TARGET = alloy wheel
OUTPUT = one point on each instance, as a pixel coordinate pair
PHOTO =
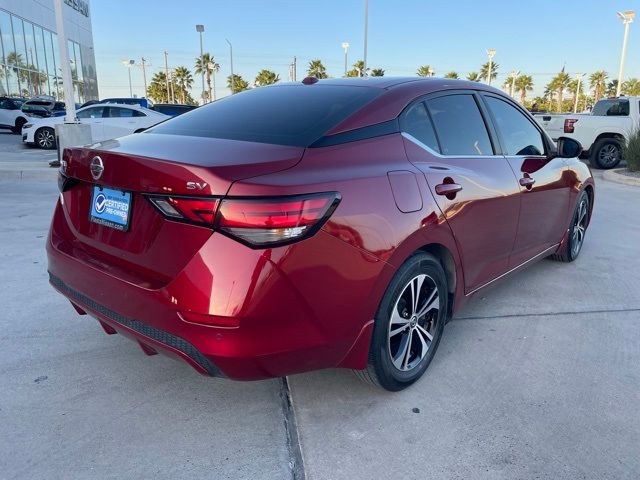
(45, 139)
(579, 226)
(609, 154)
(413, 322)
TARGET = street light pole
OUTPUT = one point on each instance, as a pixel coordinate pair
(200, 30)
(579, 79)
(144, 66)
(166, 73)
(345, 45)
(129, 64)
(514, 76)
(627, 18)
(231, 61)
(366, 31)
(491, 53)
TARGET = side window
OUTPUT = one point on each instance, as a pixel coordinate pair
(611, 108)
(138, 113)
(115, 112)
(459, 125)
(95, 112)
(416, 122)
(5, 103)
(519, 135)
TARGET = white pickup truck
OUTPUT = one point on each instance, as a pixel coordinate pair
(601, 132)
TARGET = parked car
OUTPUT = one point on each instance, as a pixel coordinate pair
(107, 121)
(11, 115)
(334, 223)
(172, 109)
(602, 132)
(43, 107)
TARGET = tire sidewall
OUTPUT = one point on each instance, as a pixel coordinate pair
(389, 376)
(570, 253)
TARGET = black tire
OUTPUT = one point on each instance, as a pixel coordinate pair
(577, 231)
(386, 350)
(45, 138)
(606, 153)
(20, 121)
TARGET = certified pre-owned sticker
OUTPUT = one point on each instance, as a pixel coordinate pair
(111, 207)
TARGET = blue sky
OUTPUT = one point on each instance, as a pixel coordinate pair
(536, 37)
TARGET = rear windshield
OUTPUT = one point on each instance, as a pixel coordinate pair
(294, 115)
(611, 108)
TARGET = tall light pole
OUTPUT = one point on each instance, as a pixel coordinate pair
(579, 81)
(366, 31)
(166, 73)
(491, 53)
(514, 76)
(129, 64)
(627, 18)
(345, 46)
(200, 30)
(231, 61)
(144, 64)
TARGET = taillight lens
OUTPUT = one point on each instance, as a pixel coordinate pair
(198, 210)
(257, 222)
(569, 125)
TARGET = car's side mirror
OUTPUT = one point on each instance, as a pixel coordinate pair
(568, 148)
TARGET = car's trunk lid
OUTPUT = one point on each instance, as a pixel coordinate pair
(153, 248)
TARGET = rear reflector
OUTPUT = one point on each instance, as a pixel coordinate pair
(257, 222)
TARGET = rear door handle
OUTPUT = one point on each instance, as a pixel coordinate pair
(527, 182)
(448, 188)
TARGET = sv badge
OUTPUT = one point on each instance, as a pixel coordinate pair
(196, 185)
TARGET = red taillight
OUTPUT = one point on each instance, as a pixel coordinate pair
(569, 125)
(190, 209)
(257, 222)
(275, 221)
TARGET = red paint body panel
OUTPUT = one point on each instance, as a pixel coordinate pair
(311, 304)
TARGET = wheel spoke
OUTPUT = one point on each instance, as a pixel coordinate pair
(432, 302)
(424, 331)
(396, 331)
(408, 351)
(398, 359)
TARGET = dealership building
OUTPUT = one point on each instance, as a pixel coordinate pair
(29, 53)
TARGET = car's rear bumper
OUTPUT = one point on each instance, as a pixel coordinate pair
(273, 313)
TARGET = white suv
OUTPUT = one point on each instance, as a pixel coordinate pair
(11, 115)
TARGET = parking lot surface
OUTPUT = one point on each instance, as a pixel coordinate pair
(537, 378)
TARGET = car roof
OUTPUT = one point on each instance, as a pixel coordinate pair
(398, 93)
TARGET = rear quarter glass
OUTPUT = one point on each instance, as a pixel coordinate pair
(295, 115)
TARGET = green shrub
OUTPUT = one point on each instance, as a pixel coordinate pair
(631, 150)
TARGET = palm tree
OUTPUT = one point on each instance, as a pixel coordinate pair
(474, 77)
(453, 75)
(358, 70)
(316, 69)
(184, 81)
(266, 77)
(425, 71)
(558, 85)
(631, 87)
(484, 71)
(612, 88)
(524, 84)
(598, 81)
(207, 65)
(239, 83)
(377, 72)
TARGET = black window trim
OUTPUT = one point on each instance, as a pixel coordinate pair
(370, 131)
(548, 145)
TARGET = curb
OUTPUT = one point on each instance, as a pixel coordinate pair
(49, 174)
(615, 176)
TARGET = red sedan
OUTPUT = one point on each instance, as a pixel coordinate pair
(295, 227)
